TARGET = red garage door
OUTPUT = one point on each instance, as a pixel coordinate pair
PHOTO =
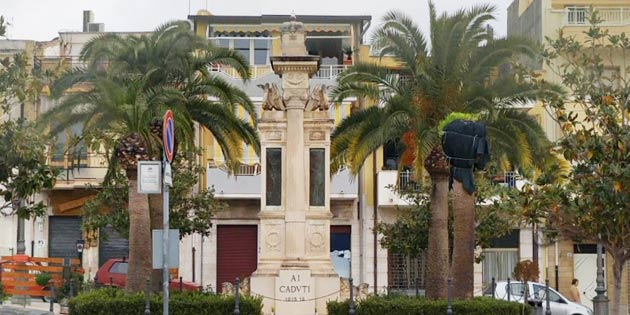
(237, 252)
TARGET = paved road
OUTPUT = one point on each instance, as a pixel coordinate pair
(17, 310)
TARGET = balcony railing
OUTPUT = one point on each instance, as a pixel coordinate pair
(578, 16)
(325, 71)
(330, 72)
(84, 168)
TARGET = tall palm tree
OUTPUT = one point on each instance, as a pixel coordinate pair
(169, 66)
(457, 72)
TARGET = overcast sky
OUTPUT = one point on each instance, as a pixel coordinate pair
(42, 19)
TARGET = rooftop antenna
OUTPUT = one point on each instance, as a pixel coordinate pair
(293, 17)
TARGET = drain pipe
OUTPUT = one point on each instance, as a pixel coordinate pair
(375, 218)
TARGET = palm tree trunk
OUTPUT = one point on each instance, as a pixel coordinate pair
(139, 233)
(463, 242)
(157, 223)
(438, 259)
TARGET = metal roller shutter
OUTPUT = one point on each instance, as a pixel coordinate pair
(237, 252)
(63, 234)
(111, 245)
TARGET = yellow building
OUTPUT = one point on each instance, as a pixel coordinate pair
(231, 249)
(538, 20)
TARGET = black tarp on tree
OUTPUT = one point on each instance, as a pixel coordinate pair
(464, 143)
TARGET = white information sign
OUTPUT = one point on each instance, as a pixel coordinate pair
(149, 177)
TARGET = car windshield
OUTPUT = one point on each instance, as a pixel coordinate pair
(517, 289)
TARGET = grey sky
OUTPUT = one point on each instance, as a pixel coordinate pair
(42, 19)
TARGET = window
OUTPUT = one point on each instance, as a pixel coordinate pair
(406, 273)
(242, 46)
(517, 289)
(498, 264)
(317, 178)
(541, 294)
(261, 51)
(225, 43)
(340, 249)
(274, 177)
(119, 267)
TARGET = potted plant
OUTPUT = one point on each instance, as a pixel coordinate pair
(347, 52)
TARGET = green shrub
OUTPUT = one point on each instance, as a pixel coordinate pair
(422, 306)
(42, 279)
(107, 301)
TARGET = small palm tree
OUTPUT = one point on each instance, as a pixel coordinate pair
(458, 72)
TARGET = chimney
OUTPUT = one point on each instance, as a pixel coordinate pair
(88, 17)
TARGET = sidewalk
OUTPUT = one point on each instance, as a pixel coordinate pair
(37, 307)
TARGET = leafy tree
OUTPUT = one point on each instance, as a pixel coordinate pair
(593, 204)
(128, 81)
(23, 169)
(457, 72)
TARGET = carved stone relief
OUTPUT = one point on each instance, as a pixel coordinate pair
(272, 99)
(318, 99)
(273, 239)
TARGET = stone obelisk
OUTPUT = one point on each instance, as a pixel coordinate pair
(295, 275)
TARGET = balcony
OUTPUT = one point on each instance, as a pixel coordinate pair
(390, 182)
(247, 182)
(329, 72)
(578, 16)
(79, 171)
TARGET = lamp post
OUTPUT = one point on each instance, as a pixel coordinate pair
(600, 302)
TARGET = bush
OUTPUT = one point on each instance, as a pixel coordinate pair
(422, 306)
(42, 279)
(108, 301)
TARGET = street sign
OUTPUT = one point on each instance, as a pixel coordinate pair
(168, 135)
(158, 251)
(149, 177)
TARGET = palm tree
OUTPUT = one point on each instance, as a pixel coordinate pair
(457, 72)
(170, 66)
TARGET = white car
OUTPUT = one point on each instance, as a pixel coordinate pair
(558, 303)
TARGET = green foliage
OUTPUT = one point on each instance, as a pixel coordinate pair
(108, 301)
(497, 213)
(457, 116)
(401, 305)
(23, 169)
(593, 203)
(42, 279)
(189, 212)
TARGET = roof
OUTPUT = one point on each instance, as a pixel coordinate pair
(264, 19)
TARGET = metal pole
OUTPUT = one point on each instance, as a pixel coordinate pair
(71, 287)
(449, 308)
(201, 262)
(181, 284)
(600, 302)
(417, 286)
(147, 302)
(52, 295)
(548, 307)
(165, 230)
(557, 278)
(351, 310)
(193, 263)
(494, 288)
(237, 311)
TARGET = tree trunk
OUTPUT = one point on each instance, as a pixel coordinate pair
(463, 242)
(616, 298)
(438, 259)
(157, 223)
(139, 233)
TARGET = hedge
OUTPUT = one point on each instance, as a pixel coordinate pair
(112, 301)
(420, 306)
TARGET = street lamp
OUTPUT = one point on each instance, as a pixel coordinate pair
(600, 302)
(80, 247)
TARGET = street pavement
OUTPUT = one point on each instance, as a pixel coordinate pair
(37, 307)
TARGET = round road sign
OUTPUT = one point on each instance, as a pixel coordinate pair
(168, 135)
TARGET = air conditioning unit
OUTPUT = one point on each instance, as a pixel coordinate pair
(96, 27)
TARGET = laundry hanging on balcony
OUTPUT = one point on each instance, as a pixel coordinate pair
(465, 145)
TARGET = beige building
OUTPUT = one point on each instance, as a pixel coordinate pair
(538, 20)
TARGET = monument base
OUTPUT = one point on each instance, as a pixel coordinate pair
(293, 291)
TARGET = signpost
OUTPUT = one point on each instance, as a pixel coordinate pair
(168, 138)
